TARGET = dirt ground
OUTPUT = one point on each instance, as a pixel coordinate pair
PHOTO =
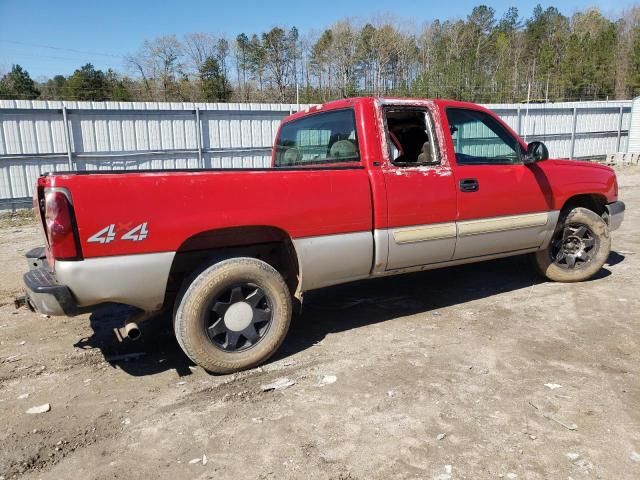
(481, 371)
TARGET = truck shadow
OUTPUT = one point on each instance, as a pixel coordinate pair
(326, 311)
(346, 307)
(156, 351)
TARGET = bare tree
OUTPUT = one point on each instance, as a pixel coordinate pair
(198, 47)
(321, 60)
(627, 30)
(160, 59)
(278, 53)
(241, 57)
(345, 50)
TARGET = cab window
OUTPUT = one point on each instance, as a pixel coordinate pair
(479, 139)
(410, 137)
(322, 138)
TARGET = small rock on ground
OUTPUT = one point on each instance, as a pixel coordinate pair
(328, 379)
(279, 384)
(552, 386)
(39, 409)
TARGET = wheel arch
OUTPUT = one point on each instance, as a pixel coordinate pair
(596, 202)
(268, 243)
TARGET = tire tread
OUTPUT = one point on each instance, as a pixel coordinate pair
(542, 260)
(195, 291)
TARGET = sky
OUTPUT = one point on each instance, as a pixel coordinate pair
(49, 37)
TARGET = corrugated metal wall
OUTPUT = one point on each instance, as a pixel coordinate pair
(38, 136)
(571, 129)
(634, 128)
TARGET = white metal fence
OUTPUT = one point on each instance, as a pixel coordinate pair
(39, 136)
(633, 145)
(571, 129)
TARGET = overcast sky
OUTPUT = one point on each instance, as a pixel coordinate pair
(48, 37)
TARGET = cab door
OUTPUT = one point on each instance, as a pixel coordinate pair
(503, 205)
(421, 196)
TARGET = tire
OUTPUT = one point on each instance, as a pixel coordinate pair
(581, 234)
(233, 315)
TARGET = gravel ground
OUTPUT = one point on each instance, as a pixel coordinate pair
(480, 371)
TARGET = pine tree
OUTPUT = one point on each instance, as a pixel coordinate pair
(87, 83)
(17, 84)
(214, 85)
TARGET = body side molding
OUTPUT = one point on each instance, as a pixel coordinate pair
(502, 224)
(438, 231)
(489, 236)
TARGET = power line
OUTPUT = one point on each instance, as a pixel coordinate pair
(53, 57)
(84, 52)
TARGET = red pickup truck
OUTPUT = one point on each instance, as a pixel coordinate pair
(359, 188)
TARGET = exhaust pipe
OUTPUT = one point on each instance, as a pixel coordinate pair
(132, 331)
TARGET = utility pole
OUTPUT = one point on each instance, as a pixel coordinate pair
(546, 91)
(526, 116)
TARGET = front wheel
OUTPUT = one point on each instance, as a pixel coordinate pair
(578, 249)
(234, 315)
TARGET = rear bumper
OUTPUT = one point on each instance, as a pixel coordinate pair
(615, 215)
(79, 286)
(45, 295)
(43, 292)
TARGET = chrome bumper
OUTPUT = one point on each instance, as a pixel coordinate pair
(615, 215)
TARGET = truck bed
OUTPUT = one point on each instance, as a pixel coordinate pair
(176, 205)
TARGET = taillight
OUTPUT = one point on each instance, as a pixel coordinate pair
(58, 214)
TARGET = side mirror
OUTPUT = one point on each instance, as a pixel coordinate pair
(536, 152)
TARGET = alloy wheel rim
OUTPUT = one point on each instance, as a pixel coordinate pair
(238, 318)
(574, 246)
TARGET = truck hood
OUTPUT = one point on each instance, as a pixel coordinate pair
(579, 163)
(568, 178)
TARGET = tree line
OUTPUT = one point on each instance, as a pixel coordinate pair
(544, 57)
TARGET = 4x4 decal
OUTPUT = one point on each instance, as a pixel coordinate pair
(137, 234)
(108, 234)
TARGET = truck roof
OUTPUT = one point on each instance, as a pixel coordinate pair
(354, 101)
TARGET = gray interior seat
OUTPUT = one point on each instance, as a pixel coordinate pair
(292, 156)
(343, 149)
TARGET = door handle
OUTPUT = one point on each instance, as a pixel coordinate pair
(469, 185)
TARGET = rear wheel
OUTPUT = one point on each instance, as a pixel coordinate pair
(578, 249)
(234, 315)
